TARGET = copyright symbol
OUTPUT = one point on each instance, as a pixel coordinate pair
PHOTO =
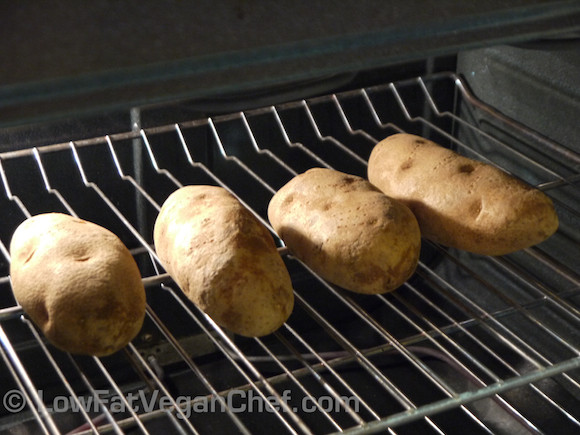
(14, 401)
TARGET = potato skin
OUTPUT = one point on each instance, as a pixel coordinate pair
(460, 202)
(224, 260)
(346, 230)
(78, 283)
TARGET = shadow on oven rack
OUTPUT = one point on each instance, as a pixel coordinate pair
(470, 344)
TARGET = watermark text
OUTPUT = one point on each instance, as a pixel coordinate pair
(142, 401)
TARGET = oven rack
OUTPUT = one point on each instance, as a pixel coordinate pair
(467, 337)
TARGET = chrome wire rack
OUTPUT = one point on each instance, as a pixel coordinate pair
(470, 344)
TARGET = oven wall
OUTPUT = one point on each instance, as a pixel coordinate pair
(528, 81)
(64, 58)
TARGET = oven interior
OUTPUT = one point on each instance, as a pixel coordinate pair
(470, 344)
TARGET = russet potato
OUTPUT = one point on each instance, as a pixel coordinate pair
(460, 202)
(78, 283)
(224, 260)
(346, 230)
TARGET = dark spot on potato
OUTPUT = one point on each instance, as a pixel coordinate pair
(370, 274)
(288, 200)
(349, 180)
(105, 310)
(420, 141)
(407, 164)
(30, 255)
(405, 266)
(85, 258)
(282, 299)
(475, 208)
(466, 169)
(327, 206)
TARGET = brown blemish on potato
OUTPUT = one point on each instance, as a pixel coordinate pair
(475, 208)
(407, 164)
(288, 200)
(233, 319)
(420, 141)
(30, 254)
(280, 297)
(106, 309)
(407, 262)
(466, 168)
(370, 275)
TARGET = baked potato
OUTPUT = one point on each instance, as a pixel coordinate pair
(78, 283)
(460, 202)
(346, 230)
(224, 260)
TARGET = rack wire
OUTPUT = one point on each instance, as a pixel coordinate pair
(469, 344)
